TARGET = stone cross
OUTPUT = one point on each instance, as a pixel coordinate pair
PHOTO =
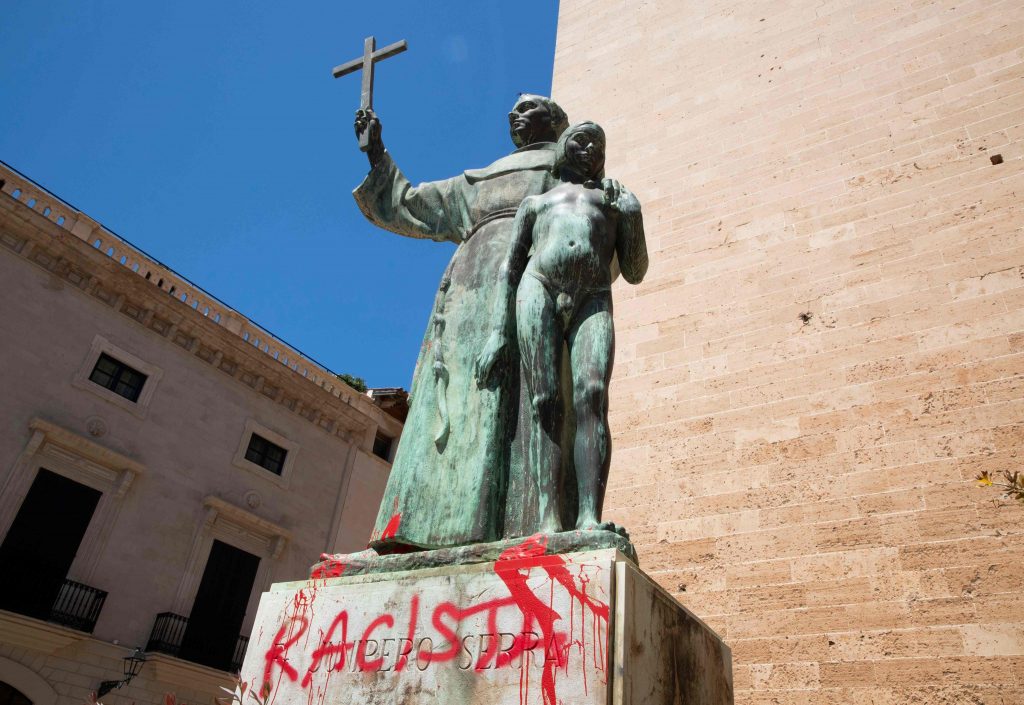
(371, 55)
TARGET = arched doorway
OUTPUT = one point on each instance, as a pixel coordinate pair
(20, 685)
(9, 695)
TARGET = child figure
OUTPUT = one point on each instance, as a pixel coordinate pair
(561, 257)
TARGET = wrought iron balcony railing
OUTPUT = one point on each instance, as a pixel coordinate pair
(168, 632)
(168, 635)
(77, 606)
(236, 660)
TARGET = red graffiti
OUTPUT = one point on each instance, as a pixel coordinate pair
(391, 528)
(328, 649)
(278, 652)
(403, 656)
(542, 629)
(285, 638)
(513, 567)
(329, 567)
(449, 632)
(375, 664)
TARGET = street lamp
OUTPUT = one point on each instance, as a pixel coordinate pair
(132, 665)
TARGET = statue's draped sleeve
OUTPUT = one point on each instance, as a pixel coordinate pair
(435, 210)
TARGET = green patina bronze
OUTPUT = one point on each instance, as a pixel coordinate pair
(554, 295)
(517, 354)
(369, 562)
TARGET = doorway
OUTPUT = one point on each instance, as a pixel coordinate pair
(41, 544)
(219, 609)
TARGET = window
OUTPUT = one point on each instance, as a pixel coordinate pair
(117, 377)
(261, 449)
(264, 453)
(382, 446)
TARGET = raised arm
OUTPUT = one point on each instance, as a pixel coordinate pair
(388, 200)
(509, 273)
(630, 244)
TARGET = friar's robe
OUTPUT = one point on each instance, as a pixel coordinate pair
(450, 474)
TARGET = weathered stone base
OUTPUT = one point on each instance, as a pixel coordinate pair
(529, 627)
(369, 561)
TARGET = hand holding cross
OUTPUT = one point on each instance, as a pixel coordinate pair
(367, 125)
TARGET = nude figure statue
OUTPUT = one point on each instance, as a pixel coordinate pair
(558, 271)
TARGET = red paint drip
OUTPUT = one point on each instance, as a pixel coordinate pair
(330, 567)
(278, 652)
(391, 529)
(293, 628)
(513, 567)
(331, 651)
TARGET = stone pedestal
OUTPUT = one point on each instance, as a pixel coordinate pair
(530, 627)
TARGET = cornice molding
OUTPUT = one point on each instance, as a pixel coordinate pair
(51, 235)
(84, 447)
(185, 674)
(273, 536)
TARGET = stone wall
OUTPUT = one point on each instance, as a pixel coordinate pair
(52, 665)
(828, 346)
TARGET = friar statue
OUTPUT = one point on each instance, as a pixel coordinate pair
(450, 475)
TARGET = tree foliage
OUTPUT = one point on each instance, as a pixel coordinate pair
(357, 383)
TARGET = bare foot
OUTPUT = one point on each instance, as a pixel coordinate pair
(349, 557)
(585, 524)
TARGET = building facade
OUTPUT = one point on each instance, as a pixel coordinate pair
(829, 345)
(163, 460)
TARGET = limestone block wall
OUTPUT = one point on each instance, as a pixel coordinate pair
(828, 346)
(56, 666)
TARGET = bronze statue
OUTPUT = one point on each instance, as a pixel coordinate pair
(480, 458)
(451, 473)
(556, 283)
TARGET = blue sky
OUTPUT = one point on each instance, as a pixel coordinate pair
(213, 136)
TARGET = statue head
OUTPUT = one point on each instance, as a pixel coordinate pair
(535, 118)
(581, 150)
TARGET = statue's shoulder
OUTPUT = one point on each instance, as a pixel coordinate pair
(534, 156)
